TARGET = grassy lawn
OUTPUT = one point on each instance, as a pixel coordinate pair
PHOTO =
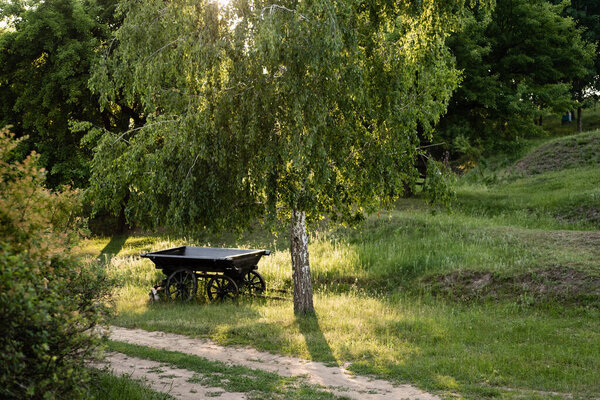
(500, 299)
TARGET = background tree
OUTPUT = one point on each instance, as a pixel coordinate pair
(586, 14)
(262, 111)
(518, 62)
(45, 59)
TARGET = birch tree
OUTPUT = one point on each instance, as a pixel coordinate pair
(260, 111)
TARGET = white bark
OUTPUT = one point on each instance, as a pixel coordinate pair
(303, 293)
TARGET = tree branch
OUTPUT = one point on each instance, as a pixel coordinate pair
(274, 7)
(140, 128)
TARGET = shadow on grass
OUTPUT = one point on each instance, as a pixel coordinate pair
(316, 343)
(112, 248)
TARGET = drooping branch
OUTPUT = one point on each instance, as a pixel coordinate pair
(274, 7)
(120, 137)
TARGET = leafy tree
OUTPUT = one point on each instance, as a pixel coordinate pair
(264, 111)
(518, 62)
(48, 300)
(586, 14)
(45, 58)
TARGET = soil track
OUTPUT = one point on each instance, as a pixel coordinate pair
(176, 382)
(337, 380)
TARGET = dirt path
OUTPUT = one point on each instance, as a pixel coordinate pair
(163, 378)
(337, 380)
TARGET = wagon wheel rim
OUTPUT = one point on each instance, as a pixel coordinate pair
(221, 288)
(254, 283)
(182, 285)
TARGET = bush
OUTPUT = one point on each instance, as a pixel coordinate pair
(438, 186)
(49, 302)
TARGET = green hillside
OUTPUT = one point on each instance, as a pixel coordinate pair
(554, 186)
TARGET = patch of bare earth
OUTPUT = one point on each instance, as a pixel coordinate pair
(177, 382)
(337, 380)
(558, 283)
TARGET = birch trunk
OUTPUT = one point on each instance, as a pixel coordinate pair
(303, 294)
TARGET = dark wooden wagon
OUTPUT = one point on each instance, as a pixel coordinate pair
(225, 271)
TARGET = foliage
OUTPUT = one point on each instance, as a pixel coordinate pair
(438, 183)
(256, 109)
(48, 300)
(45, 58)
(586, 14)
(518, 62)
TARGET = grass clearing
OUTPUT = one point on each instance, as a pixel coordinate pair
(375, 307)
(566, 199)
(499, 299)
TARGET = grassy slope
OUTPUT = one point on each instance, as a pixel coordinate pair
(376, 303)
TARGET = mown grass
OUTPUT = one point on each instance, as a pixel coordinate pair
(438, 345)
(377, 298)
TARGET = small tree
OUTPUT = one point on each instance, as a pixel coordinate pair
(257, 110)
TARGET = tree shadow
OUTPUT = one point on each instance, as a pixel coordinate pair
(112, 248)
(315, 340)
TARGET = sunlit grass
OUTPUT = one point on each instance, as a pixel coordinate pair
(439, 346)
(374, 312)
(105, 386)
(375, 306)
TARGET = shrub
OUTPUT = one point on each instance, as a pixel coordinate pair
(49, 302)
(438, 186)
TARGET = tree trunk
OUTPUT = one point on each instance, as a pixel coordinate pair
(303, 294)
(579, 122)
(122, 221)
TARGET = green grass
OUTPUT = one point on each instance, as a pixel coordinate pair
(105, 386)
(565, 199)
(254, 383)
(438, 345)
(375, 308)
(400, 295)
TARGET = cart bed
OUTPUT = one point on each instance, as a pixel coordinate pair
(207, 259)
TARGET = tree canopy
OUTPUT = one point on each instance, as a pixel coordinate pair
(519, 62)
(256, 111)
(46, 55)
(307, 105)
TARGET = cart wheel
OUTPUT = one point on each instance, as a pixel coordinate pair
(181, 285)
(254, 283)
(221, 287)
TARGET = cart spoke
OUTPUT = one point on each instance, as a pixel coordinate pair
(221, 287)
(181, 285)
(254, 283)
